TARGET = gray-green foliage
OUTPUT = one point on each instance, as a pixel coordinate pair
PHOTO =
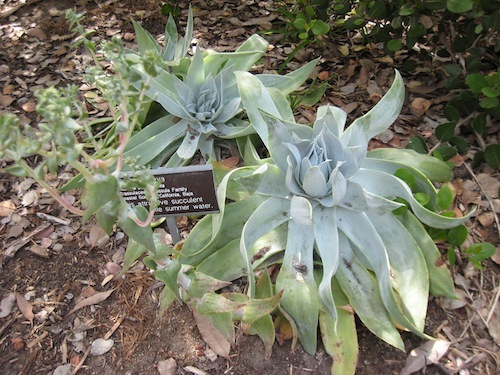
(322, 208)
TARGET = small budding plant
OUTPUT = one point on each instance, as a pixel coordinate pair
(321, 227)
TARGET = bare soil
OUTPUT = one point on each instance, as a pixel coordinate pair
(64, 262)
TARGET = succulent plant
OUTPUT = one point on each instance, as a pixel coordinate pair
(325, 209)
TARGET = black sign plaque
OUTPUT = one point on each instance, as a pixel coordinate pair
(183, 191)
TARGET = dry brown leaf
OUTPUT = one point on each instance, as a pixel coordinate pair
(29, 106)
(428, 353)
(94, 300)
(25, 307)
(211, 336)
(489, 184)
(486, 219)
(97, 237)
(7, 207)
(6, 100)
(324, 75)
(419, 106)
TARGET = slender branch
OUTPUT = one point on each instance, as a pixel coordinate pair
(53, 192)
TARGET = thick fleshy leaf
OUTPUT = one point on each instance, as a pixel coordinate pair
(145, 40)
(326, 238)
(256, 98)
(420, 182)
(331, 118)
(296, 279)
(269, 215)
(314, 183)
(291, 81)
(154, 138)
(433, 168)
(266, 180)
(133, 252)
(363, 293)
(389, 186)
(441, 282)
(410, 276)
(245, 56)
(378, 119)
(201, 243)
(362, 234)
(189, 145)
(339, 336)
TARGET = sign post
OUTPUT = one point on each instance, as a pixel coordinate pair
(183, 191)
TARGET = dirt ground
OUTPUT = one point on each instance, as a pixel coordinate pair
(57, 261)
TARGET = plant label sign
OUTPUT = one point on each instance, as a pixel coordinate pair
(183, 190)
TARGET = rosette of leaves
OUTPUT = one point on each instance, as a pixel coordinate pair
(336, 218)
(201, 102)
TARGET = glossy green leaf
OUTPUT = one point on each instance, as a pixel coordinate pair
(492, 155)
(459, 6)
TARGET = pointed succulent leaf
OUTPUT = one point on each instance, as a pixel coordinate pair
(362, 291)
(340, 340)
(390, 187)
(378, 119)
(269, 215)
(296, 279)
(326, 239)
(409, 270)
(441, 282)
(434, 169)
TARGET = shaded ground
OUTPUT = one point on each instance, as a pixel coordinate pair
(61, 262)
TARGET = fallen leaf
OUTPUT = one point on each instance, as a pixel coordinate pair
(489, 184)
(29, 106)
(17, 343)
(101, 346)
(496, 257)
(7, 207)
(6, 100)
(167, 367)
(31, 197)
(213, 338)
(419, 106)
(94, 300)
(97, 237)
(7, 304)
(25, 307)
(486, 219)
(428, 353)
(324, 75)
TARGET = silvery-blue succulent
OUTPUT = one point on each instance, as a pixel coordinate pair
(322, 206)
(201, 101)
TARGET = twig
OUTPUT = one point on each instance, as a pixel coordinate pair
(12, 249)
(488, 199)
(82, 361)
(9, 11)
